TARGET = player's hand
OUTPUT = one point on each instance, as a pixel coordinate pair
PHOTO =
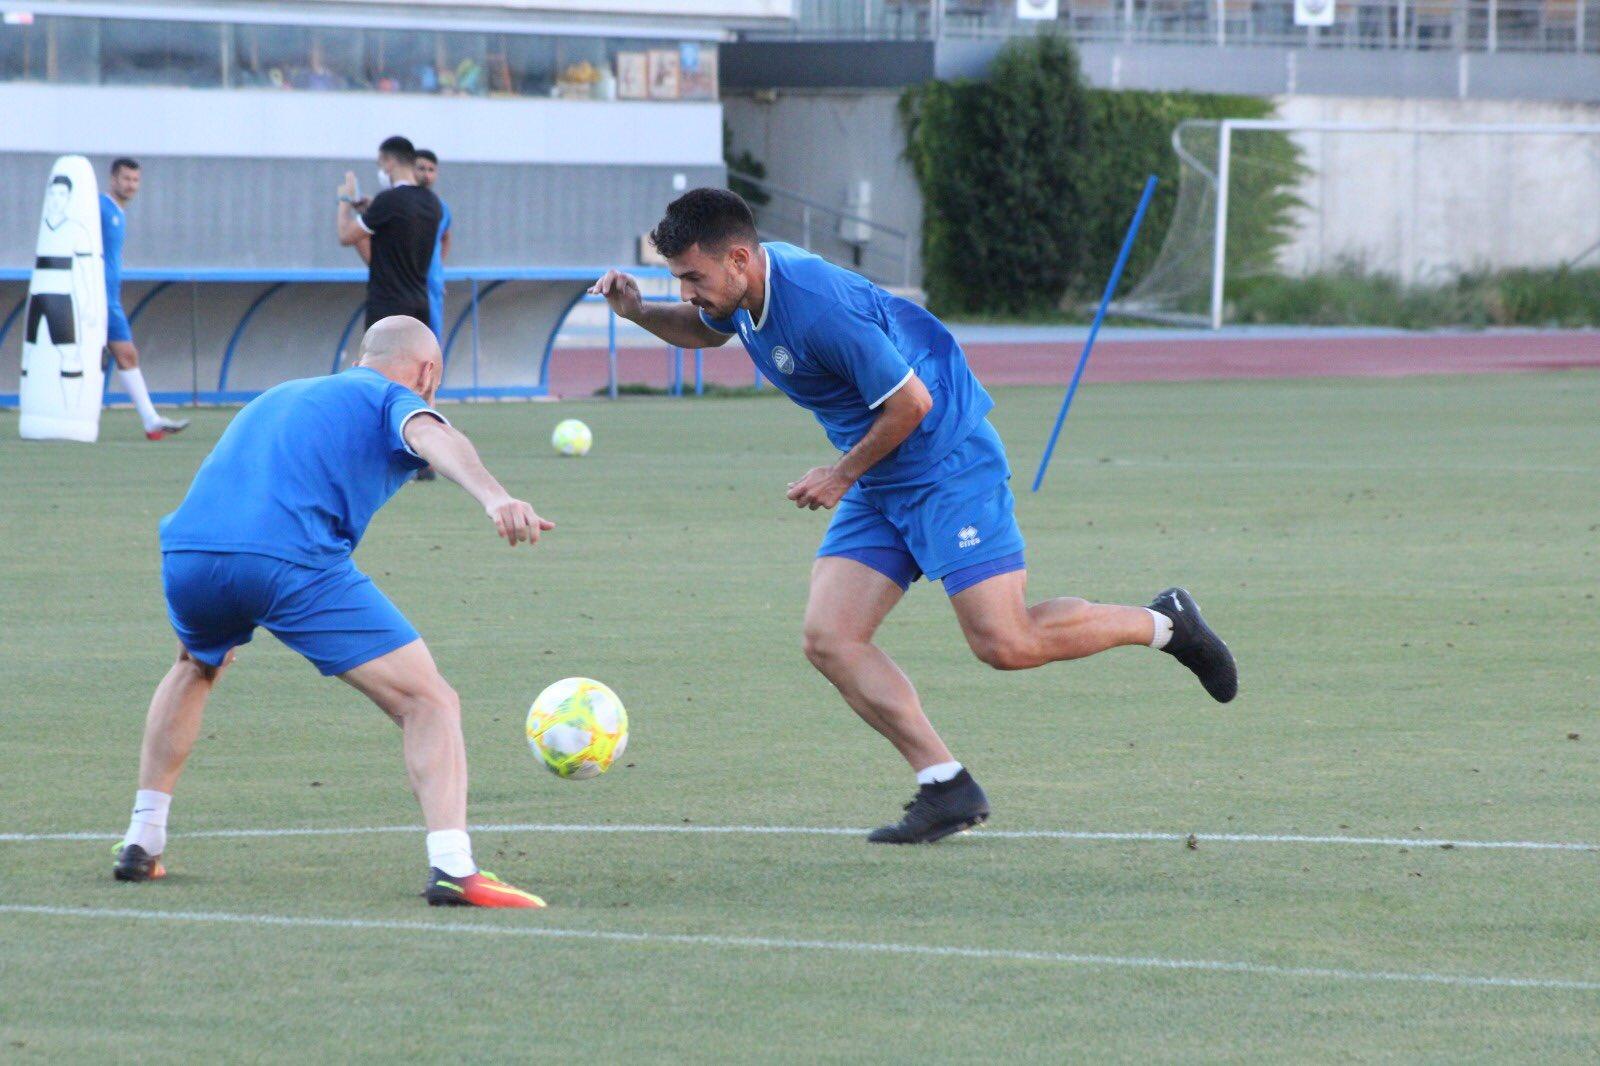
(348, 188)
(823, 486)
(621, 292)
(515, 521)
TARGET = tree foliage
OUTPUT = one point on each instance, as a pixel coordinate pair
(1029, 179)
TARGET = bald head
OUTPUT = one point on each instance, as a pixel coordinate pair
(403, 350)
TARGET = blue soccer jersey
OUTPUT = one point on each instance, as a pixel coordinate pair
(436, 277)
(113, 231)
(839, 346)
(301, 470)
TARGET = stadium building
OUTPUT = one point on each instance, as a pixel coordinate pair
(562, 127)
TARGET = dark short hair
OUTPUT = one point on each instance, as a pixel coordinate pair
(402, 150)
(427, 153)
(62, 179)
(124, 163)
(711, 218)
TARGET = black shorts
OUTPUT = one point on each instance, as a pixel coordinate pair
(56, 309)
(377, 312)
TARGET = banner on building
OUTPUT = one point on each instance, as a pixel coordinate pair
(1313, 12)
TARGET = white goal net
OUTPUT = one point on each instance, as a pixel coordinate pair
(1392, 208)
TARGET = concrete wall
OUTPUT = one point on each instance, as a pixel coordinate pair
(1427, 207)
(819, 143)
(279, 213)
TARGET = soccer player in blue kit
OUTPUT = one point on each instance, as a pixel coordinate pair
(263, 538)
(919, 489)
(124, 186)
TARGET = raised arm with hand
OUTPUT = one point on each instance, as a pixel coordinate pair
(449, 451)
(676, 323)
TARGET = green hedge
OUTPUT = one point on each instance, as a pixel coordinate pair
(1029, 179)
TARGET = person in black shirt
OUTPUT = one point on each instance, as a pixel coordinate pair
(402, 223)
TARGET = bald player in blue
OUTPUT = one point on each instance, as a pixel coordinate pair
(920, 487)
(264, 538)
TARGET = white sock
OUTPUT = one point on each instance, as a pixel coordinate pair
(148, 829)
(938, 772)
(1163, 630)
(133, 383)
(451, 851)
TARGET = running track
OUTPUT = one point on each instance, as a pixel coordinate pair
(579, 371)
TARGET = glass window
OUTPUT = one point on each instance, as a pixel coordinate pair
(460, 59)
(50, 49)
(139, 52)
(330, 59)
(400, 61)
(521, 65)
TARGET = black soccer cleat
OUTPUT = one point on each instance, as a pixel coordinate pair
(1196, 645)
(135, 864)
(937, 811)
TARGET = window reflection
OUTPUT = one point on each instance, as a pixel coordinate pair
(333, 59)
(136, 52)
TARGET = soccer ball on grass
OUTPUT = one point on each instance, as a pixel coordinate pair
(577, 727)
(571, 438)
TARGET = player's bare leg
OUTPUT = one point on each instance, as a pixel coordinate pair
(170, 728)
(156, 426)
(848, 602)
(1006, 633)
(407, 686)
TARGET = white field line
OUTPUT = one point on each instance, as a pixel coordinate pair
(802, 830)
(1059, 958)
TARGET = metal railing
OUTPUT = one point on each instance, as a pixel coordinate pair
(878, 252)
(1413, 25)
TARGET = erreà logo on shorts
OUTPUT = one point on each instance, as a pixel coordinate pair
(967, 537)
(782, 359)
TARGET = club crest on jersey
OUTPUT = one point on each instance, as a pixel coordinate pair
(782, 359)
(967, 537)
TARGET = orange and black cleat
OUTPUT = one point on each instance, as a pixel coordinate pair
(482, 889)
(135, 864)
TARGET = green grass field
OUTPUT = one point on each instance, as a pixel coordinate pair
(1406, 569)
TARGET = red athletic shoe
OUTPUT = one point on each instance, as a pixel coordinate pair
(482, 889)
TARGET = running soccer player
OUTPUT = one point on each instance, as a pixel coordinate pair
(920, 489)
(263, 538)
(124, 186)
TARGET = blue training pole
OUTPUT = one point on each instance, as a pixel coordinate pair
(1094, 330)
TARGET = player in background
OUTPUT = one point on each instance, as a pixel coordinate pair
(263, 538)
(123, 187)
(427, 170)
(920, 487)
(397, 234)
(427, 175)
(401, 225)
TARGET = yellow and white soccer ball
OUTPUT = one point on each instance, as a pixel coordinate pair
(577, 727)
(571, 438)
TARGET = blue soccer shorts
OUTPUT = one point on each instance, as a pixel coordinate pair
(337, 618)
(954, 522)
(117, 327)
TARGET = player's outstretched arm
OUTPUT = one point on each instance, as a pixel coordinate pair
(900, 415)
(676, 323)
(449, 451)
